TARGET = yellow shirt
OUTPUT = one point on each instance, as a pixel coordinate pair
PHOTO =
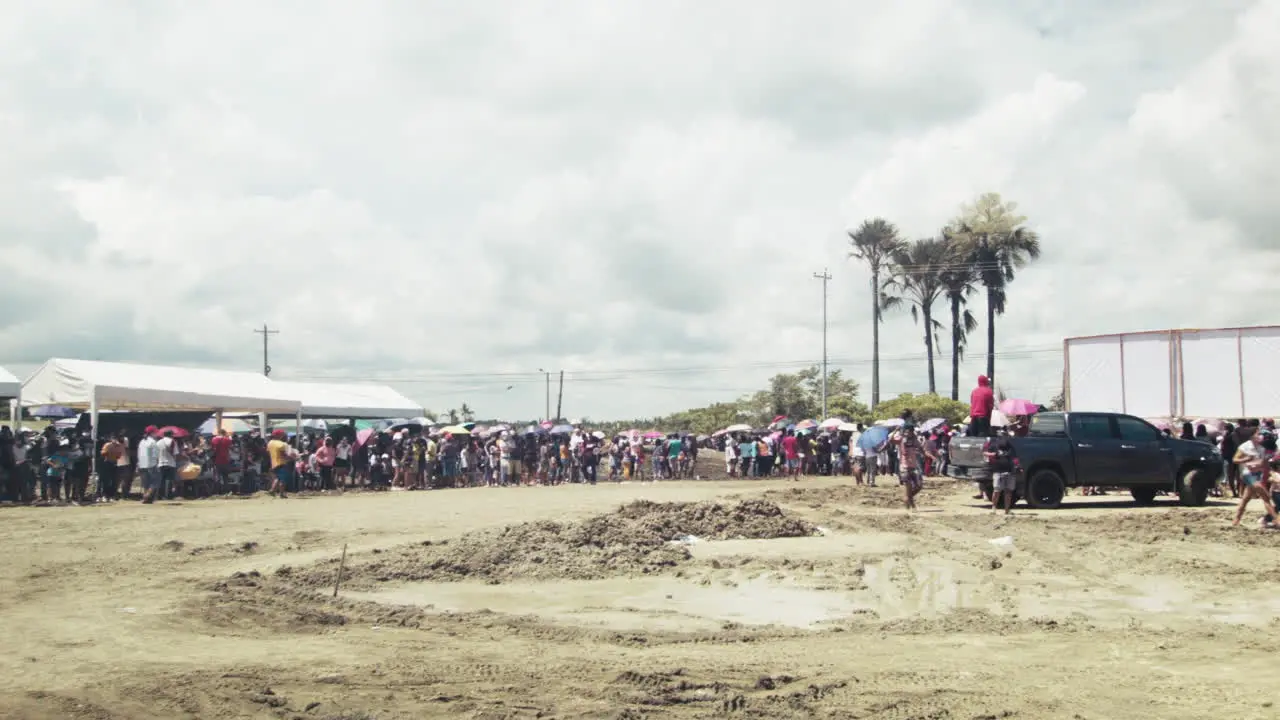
(279, 452)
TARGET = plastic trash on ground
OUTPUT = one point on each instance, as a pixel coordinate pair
(1005, 541)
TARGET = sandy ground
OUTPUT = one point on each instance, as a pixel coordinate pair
(222, 608)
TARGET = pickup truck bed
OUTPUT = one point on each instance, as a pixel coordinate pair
(1064, 450)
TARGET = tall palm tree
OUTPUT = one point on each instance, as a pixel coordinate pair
(997, 255)
(875, 242)
(915, 279)
(960, 282)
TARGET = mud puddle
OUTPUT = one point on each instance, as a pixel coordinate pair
(831, 545)
(633, 603)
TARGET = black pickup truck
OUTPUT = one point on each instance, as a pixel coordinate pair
(1085, 449)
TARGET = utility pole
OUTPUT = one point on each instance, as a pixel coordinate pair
(825, 277)
(266, 333)
(547, 416)
(560, 397)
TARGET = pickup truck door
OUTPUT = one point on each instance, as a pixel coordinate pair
(1096, 448)
(1145, 458)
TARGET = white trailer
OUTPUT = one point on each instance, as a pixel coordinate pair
(1224, 373)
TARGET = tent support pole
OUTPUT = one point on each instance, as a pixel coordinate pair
(15, 415)
(297, 429)
(93, 434)
(217, 422)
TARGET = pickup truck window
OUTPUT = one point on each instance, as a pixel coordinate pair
(1134, 430)
(1091, 427)
(1048, 424)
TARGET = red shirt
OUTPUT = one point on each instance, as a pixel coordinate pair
(981, 402)
(789, 446)
(221, 450)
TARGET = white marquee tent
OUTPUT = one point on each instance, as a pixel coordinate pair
(10, 386)
(349, 401)
(97, 386)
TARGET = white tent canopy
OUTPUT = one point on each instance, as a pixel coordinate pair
(322, 400)
(10, 386)
(122, 386)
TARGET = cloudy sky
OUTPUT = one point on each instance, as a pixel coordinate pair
(449, 196)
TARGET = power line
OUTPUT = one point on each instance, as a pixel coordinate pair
(597, 375)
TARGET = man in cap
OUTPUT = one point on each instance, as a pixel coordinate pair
(281, 456)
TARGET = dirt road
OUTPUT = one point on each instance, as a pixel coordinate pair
(222, 608)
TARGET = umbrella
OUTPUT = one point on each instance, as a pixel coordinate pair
(780, 422)
(468, 425)
(177, 431)
(1210, 424)
(1162, 425)
(891, 422)
(718, 433)
(421, 421)
(535, 430)
(933, 424)
(831, 423)
(597, 435)
(806, 425)
(456, 430)
(779, 418)
(999, 419)
(52, 411)
(562, 430)
(847, 427)
(653, 435)
(1015, 406)
(740, 427)
(67, 423)
(873, 437)
(362, 436)
(231, 425)
(547, 424)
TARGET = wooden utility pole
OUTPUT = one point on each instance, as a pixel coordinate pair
(266, 333)
(560, 397)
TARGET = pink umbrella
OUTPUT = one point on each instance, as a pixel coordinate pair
(653, 435)
(806, 425)
(363, 436)
(1162, 425)
(1014, 406)
(1212, 424)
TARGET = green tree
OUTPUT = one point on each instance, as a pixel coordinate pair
(453, 416)
(915, 280)
(999, 245)
(923, 407)
(959, 281)
(1059, 401)
(875, 242)
(467, 414)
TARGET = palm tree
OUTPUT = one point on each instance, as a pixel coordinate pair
(915, 279)
(997, 255)
(467, 413)
(875, 242)
(960, 282)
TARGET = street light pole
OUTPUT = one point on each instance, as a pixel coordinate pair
(825, 277)
(548, 376)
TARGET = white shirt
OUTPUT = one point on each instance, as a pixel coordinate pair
(148, 453)
(164, 453)
(344, 451)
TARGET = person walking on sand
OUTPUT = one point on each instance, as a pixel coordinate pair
(999, 454)
(910, 460)
(1254, 456)
(281, 463)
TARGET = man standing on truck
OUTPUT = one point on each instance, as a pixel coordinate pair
(999, 454)
(982, 401)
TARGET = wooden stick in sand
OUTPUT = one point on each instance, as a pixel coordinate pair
(342, 564)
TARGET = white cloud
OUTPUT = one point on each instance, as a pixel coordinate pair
(450, 197)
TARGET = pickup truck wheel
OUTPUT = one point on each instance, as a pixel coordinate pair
(1045, 490)
(1193, 490)
(1143, 495)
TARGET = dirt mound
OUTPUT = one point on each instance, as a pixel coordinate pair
(634, 539)
(884, 495)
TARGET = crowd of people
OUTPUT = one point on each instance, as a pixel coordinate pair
(56, 467)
